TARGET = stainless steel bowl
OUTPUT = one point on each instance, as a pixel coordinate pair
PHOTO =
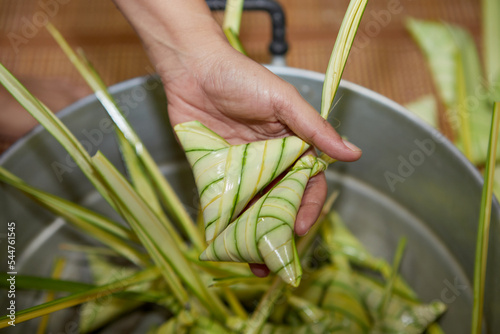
(409, 182)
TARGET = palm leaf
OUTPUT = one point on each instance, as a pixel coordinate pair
(97, 313)
(157, 238)
(56, 273)
(232, 15)
(484, 223)
(455, 67)
(439, 49)
(82, 297)
(335, 291)
(232, 23)
(491, 42)
(101, 228)
(425, 107)
(342, 242)
(185, 323)
(341, 49)
(138, 176)
(392, 279)
(26, 282)
(166, 193)
(308, 311)
(402, 316)
(54, 126)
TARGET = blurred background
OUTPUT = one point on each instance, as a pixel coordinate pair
(385, 58)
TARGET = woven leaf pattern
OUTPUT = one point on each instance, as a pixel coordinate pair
(265, 232)
(229, 176)
(353, 301)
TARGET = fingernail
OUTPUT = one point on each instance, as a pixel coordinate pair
(351, 146)
(303, 234)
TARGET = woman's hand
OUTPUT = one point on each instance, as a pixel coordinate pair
(243, 102)
(205, 79)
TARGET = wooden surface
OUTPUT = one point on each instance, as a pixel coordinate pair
(385, 60)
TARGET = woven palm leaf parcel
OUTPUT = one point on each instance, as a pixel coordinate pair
(229, 176)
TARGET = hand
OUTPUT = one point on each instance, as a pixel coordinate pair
(243, 102)
(207, 80)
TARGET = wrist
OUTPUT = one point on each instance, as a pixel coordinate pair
(173, 32)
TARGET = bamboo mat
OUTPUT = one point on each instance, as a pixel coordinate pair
(386, 59)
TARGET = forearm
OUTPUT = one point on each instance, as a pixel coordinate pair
(173, 30)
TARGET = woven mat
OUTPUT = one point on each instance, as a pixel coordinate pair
(386, 59)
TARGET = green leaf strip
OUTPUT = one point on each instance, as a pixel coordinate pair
(391, 281)
(234, 40)
(484, 224)
(402, 315)
(81, 297)
(101, 228)
(157, 239)
(491, 41)
(140, 180)
(54, 126)
(340, 53)
(264, 233)
(167, 195)
(232, 15)
(26, 282)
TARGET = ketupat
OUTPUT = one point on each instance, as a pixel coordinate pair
(355, 299)
(351, 301)
(264, 232)
(229, 176)
(335, 292)
(340, 241)
(95, 314)
(403, 315)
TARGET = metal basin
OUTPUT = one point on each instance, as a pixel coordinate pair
(410, 182)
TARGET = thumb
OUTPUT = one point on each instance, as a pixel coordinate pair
(308, 124)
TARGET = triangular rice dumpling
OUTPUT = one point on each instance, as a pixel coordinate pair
(264, 233)
(229, 176)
